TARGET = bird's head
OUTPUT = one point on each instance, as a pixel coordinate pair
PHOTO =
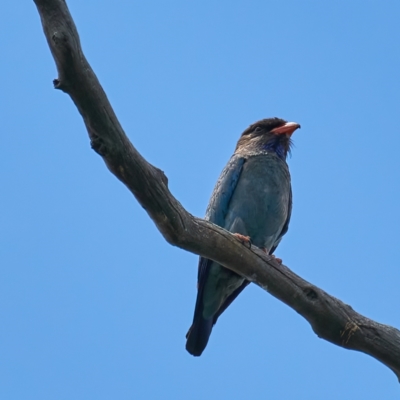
(271, 134)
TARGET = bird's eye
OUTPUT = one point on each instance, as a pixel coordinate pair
(258, 129)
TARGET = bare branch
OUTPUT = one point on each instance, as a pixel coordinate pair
(330, 318)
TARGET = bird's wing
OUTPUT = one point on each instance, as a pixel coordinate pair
(219, 204)
(199, 332)
(223, 190)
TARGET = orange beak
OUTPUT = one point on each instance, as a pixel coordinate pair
(286, 129)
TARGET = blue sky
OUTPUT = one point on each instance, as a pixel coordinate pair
(94, 304)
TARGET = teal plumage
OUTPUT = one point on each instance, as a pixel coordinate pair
(252, 197)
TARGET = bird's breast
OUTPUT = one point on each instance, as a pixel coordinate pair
(260, 204)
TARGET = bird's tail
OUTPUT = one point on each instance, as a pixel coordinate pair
(198, 335)
(200, 331)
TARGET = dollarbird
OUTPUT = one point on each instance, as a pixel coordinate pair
(252, 199)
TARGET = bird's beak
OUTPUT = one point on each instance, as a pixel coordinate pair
(286, 129)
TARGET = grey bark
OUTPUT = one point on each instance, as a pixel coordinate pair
(330, 318)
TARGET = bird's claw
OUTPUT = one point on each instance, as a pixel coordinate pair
(278, 260)
(243, 239)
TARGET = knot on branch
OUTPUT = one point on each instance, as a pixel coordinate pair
(310, 293)
(58, 84)
(161, 175)
(59, 38)
(97, 143)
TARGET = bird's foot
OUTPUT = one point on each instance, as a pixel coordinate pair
(278, 260)
(243, 239)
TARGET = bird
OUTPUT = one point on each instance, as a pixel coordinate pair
(253, 200)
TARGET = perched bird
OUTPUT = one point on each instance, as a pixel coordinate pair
(252, 198)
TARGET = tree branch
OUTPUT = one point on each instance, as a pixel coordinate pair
(329, 317)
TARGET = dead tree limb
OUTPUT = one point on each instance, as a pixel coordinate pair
(329, 317)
